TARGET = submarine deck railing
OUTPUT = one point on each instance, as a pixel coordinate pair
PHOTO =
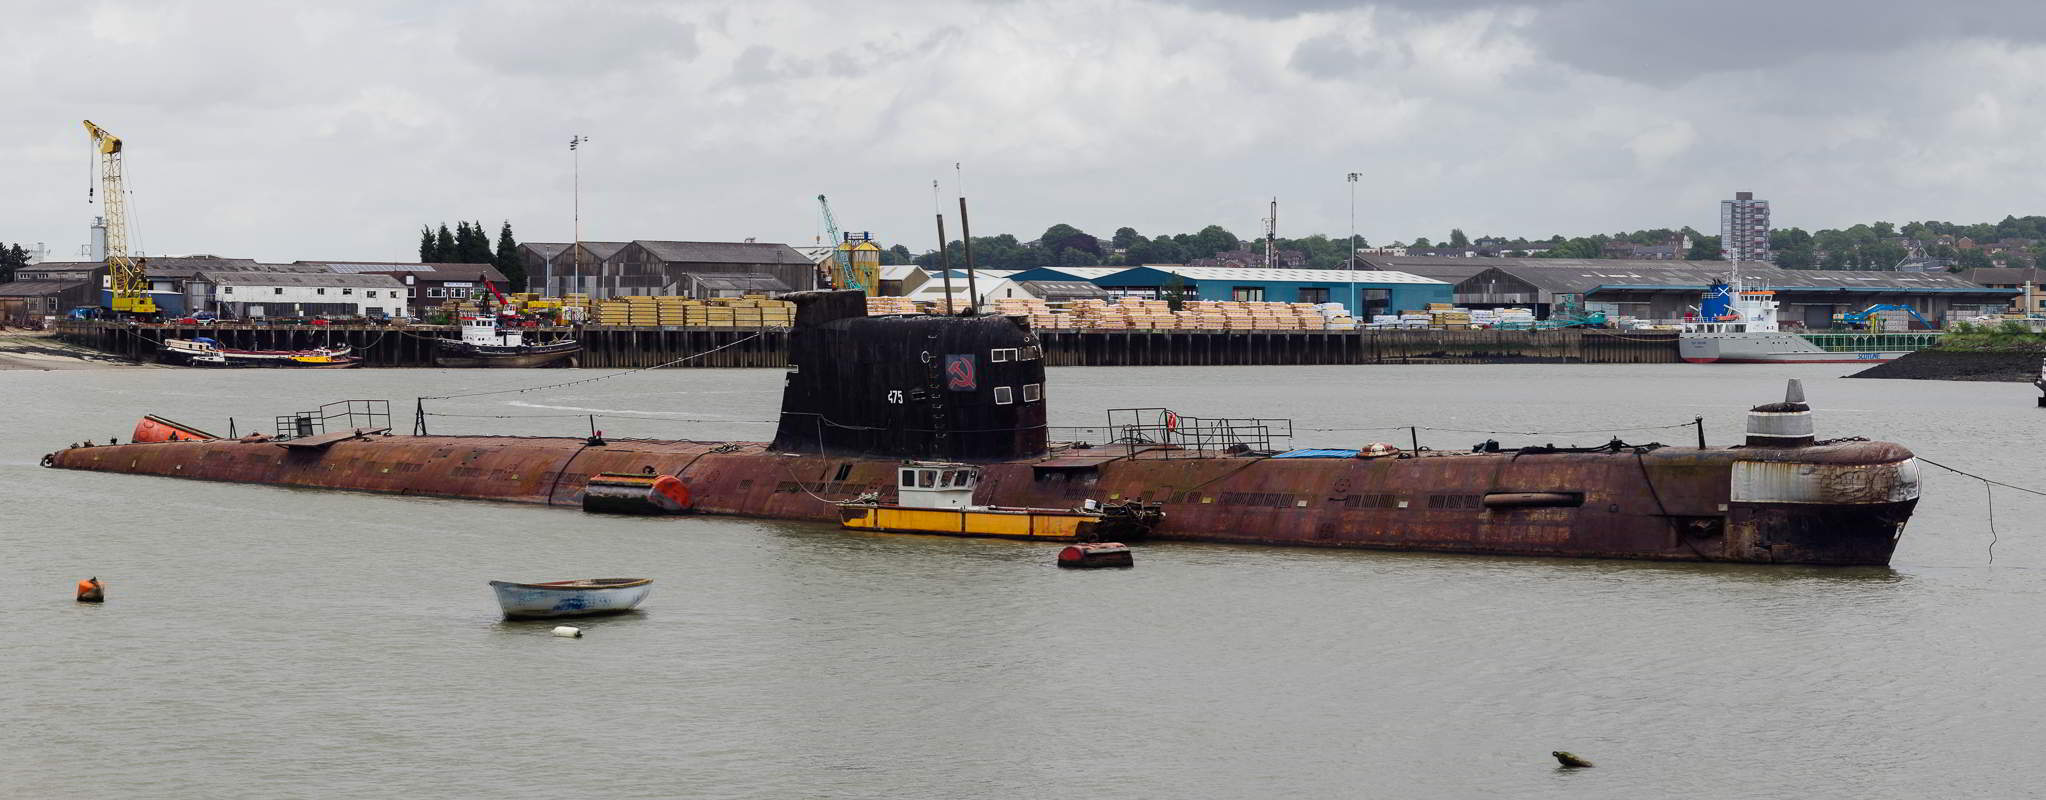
(364, 414)
(1163, 433)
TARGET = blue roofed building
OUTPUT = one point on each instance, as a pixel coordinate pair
(1363, 292)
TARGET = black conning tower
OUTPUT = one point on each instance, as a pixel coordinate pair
(909, 386)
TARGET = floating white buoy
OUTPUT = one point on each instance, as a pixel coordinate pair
(568, 632)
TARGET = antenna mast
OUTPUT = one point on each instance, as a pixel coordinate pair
(1271, 233)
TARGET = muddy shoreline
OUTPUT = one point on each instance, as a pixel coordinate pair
(37, 350)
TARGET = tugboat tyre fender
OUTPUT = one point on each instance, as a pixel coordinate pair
(49, 459)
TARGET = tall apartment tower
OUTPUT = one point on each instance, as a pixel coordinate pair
(1744, 228)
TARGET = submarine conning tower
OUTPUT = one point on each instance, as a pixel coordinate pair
(911, 386)
(1785, 424)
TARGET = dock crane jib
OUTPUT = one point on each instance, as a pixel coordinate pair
(841, 274)
(125, 275)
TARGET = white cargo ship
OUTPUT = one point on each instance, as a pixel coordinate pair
(1737, 325)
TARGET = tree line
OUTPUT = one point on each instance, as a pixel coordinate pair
(470, 244)
(1063, 245)
(1871, 246)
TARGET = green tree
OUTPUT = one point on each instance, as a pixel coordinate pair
(12, 258)
(1421, 242)
(429, 248)
(1580, 247)
(1211, 240)
(1704, 248)
(1796, 259)
(1457, 239)
(1974, 258)
(444, 244)
(1062, 237)
(507, 260)
(1124, 238)
(896, 255)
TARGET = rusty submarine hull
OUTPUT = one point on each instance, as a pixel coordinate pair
(865, 394)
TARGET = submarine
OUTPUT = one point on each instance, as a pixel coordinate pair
(865, 395)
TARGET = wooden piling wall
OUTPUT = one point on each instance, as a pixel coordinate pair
(604, 347)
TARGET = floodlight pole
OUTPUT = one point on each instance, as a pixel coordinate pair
(1353, 241)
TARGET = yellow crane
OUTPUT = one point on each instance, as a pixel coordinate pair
(125, 274)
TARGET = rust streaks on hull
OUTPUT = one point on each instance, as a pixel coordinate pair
(1669, 503)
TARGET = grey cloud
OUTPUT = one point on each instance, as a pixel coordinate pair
(1663, 44)
(1290, 8)
(757, 64)
(565, 39)
(1335, 57)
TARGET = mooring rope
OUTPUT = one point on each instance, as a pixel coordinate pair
(1989, 491)
(690, 357)
(1965, 473)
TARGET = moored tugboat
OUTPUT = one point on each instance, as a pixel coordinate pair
(485, 343)
(937, 498)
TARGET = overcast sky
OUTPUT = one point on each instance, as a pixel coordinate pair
(284, 131)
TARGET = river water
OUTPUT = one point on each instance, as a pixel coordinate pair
(261, 642)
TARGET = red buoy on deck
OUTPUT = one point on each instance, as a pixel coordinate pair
(670, 493)
(1096, 554)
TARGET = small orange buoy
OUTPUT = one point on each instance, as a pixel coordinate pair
(89, 591)
(1096, 554)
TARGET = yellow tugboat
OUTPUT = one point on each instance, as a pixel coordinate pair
(937, 498)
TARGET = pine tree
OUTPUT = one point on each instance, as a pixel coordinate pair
(507, 260)
(428, 250)
(12, 258)
(444, 244)
(480, 242)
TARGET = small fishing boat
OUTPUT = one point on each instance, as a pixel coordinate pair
(937, 498)
(207, 352)
(586, 597)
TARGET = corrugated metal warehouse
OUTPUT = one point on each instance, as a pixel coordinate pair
(651, 267)
(1667, 290)
(1364, 292)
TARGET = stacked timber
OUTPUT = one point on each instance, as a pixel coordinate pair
(884, 306)
(672, 310)
(612, 313)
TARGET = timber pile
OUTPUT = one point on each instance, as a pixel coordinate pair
(670, 311)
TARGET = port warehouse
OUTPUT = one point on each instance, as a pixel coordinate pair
(1651, 290)
(1668, 290)
(1363, 292)
(602, 270)
(246, 288)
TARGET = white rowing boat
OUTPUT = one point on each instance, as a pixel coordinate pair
(577, 598)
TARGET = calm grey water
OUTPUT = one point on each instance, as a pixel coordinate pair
(267, 643)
